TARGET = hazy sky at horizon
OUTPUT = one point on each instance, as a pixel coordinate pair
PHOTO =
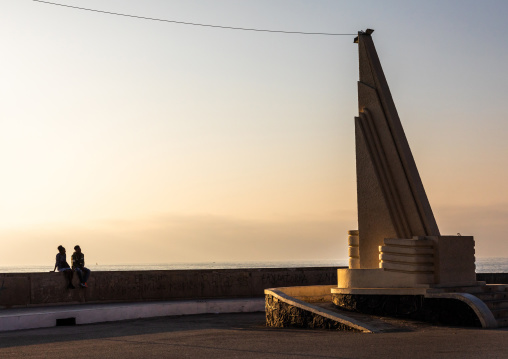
(151, 142)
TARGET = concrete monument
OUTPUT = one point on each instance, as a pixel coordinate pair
(397, 249)
(399, 263)
(398, 243)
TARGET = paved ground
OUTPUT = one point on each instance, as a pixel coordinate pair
(244, 335)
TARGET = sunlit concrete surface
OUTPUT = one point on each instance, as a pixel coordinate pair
(244, 335)
(43, 317)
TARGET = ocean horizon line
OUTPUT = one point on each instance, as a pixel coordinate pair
(483, 265)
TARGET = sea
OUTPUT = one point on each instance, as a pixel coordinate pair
(483, 265)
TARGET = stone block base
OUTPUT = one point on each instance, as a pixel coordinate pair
(281, 314)
(433, 310)
(381, 278)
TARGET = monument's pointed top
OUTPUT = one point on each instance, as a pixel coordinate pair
(367, 32)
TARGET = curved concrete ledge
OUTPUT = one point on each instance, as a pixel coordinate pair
(379, 291)
(309, 293)
(480, 308)
(317, 311)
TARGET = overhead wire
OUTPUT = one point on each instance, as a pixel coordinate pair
(195, 24)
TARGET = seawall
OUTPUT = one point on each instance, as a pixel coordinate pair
(42, 289)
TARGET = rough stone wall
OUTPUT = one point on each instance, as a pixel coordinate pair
(384, 305)
(283, 315)
(432, 310)
(32, 289)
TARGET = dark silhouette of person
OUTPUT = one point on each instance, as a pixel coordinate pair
(62, 266)
(78, 264)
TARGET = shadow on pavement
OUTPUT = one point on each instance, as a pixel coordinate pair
(230, 321)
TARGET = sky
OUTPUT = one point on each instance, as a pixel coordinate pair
(154, 142)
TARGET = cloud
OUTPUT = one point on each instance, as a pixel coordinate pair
(173, 238)
(192, 238)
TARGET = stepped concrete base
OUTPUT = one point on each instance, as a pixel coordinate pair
(381, 278)
(379, 291)
(446, 310)
(475, 305)
(478, 304)
(30, 318)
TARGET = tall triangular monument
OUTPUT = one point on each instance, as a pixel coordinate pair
(391, 199)
(397, 244)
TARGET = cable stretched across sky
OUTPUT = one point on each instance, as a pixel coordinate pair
(196, 24)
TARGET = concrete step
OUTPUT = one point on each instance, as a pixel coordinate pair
(496, 304)
(491, 296)
(407, 250)
(407, 259)
(471, 289)
(409, 242)
(500, 313)
(502, 322)
(406, 267)
(496, 288)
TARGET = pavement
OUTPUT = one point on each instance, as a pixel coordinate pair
(244, 335)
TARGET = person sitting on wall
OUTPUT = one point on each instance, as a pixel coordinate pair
(63, 266)
(78, 264)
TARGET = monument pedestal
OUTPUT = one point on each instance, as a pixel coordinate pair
(376, 278)
(428, 278)
(420, 262)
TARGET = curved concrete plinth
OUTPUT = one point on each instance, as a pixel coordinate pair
(451, 308)
(483, 312)
(381, 278)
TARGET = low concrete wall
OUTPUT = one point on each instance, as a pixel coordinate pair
(39, 289)
(493, 278)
